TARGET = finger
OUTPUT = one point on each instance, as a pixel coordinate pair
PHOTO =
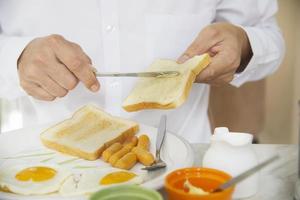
(38, 73)
(50, 85)
(53, 87)
(62, 75)
(37, 92)
(76, 61)
(76, 46)
(204, 41)
(216, 68)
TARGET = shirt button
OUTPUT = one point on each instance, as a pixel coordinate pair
(109, 28)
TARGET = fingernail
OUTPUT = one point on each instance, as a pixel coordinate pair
(95, 87)
(183, 58)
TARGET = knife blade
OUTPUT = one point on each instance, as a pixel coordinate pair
(162, 74)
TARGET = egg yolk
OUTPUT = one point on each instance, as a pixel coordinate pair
(117, 177)
(36, 174)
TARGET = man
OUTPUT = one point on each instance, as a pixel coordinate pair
(47, 49)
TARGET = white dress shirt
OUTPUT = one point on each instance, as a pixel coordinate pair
(127, 35)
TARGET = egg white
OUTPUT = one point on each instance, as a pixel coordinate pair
(8, 180)
(86, 181)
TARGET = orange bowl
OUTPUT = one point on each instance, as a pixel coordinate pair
(205, 178)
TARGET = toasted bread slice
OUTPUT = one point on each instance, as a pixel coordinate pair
(167, 92)
(87, 133)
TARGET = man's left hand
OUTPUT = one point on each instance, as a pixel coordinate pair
(230, 50)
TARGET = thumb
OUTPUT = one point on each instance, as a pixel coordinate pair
(202, 44)
(190, 52)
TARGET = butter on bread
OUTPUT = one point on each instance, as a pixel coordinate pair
(165, 92)
(88, 133)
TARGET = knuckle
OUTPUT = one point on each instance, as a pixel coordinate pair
(80, 54)
(75, 64)
(40, 59)
(76, 46)
(54, 38)
(36, 42)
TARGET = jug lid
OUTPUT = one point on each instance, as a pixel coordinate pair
(233, 138)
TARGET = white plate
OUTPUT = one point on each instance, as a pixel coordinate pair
(177, 153)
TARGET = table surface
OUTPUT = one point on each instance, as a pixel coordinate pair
(277, 181)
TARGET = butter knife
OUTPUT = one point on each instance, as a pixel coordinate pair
(162, 74)
(245, 174)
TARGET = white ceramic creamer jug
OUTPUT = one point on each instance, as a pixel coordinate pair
(231, 152)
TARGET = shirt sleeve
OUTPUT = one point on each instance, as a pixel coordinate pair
(257, 18)
(11, 48)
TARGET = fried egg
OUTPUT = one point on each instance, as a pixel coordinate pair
(33, 179)
(91, 180)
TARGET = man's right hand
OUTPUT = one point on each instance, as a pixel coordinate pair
(51, 66)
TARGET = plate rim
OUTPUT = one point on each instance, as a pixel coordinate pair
(156, 184)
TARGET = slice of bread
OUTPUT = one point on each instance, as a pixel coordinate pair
(87, 133)
(165, 92)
